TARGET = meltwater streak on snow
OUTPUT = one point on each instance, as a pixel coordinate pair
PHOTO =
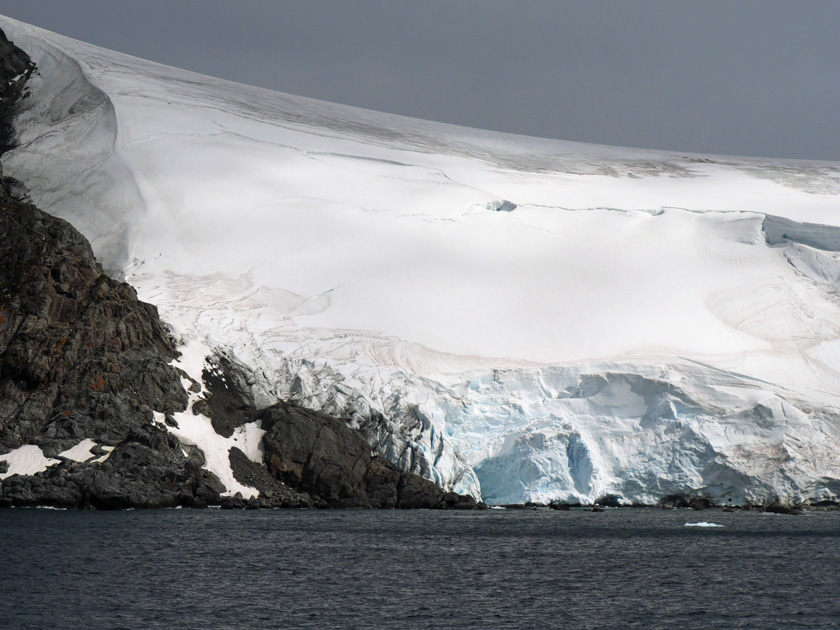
(525, 318)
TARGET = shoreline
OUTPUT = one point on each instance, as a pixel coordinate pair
(237, 503)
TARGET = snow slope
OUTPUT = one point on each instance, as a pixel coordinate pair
(518, 318)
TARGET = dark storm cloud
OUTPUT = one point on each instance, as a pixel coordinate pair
(756, 77)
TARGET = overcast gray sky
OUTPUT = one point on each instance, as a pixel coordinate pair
(739, 77)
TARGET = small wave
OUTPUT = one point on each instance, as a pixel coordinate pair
(703, 524)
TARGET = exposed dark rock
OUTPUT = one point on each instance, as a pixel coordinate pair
(608, 500)
(273, 493)
(146, 470)
(309, 450)
(236, 502)
(671, 501)
(323, 456)
(81, 357)
(826, 504)
(227, 402)
(684, 501)
(415, 492)
(700, 503)
(778, 508)
(15, 69)
(311, 459)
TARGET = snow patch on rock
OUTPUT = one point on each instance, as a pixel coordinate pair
(108, 450)
(197, 430)
(81, 452)
(26, 460)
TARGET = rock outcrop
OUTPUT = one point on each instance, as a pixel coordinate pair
(147, 469)
(313, 453)
(80, 355)
(325, 457)
(15, 69)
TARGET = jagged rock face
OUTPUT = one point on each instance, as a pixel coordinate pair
(321, 454)
(15, 68)
(80, 355)
(311, 458)
(147, 469)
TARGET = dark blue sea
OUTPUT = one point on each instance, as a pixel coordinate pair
(624, 568)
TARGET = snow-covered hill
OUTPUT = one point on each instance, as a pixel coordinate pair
(517, 318)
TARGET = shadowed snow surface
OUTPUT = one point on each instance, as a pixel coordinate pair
(517, 318)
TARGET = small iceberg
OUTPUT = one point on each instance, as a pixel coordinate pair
(703, 524)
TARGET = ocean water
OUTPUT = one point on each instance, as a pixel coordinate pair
(624, 568)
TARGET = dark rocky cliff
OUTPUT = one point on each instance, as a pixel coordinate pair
(15, 69)
(80, 355)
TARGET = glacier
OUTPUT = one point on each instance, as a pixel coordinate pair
(517, 318)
